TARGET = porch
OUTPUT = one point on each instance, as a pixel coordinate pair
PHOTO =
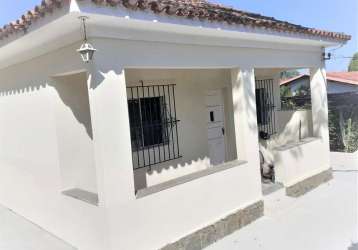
(182, 124)
(96, 129)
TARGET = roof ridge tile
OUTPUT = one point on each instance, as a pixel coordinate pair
(202, 9)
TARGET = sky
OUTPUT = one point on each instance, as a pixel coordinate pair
(332, 15)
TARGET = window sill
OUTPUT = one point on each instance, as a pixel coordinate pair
(82, 195)
(187, 178)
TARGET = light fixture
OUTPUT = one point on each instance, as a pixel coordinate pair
(326, 56)
(86, 50)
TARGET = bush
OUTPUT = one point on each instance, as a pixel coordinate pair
(343, 129)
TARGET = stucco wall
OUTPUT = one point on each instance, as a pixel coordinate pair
(291, 125)
(294, 148)
(344, 161)
(190, 97)
(41, 140)
(298, 161)
(74, 132)
(30, 155)
(166, 216)
(288, 131)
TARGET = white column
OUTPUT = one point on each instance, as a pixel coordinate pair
(319, 103)
(111, 135)
(245, 117)
(320, 107)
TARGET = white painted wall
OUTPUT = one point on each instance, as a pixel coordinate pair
(190, 95)
(344, 161)
(289, 125)
(36, 126)
(74, 132)
(295, 159)
(188, 206)
(298, 161)
(30, 154)
(287, 121)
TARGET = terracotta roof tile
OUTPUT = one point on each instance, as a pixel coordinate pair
(199, 9)
(345, 77)
(342, 77)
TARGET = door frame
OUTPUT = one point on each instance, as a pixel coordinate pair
(222, 91)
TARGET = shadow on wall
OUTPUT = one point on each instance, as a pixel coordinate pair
(72, 90)
(8, 89)
(145, 177)
(290, 124)
(321, 116)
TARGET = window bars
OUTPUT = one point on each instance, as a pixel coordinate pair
(153, 124)
(265, 104)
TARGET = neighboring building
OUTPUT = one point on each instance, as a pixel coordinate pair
(338, 82)
(342, 99)
(154, 143)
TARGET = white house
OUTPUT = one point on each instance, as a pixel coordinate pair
(338, 82)
(154, 143)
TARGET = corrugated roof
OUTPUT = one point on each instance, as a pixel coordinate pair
(191, 9)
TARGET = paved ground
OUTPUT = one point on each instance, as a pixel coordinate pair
(324, 219)
(16, 233)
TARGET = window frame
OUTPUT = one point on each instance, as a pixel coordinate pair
(164, 124)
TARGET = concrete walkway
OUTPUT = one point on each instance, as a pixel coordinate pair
(16, 233)
(324, 219)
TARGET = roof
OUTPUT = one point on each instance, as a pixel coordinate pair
(341, 77)
(191, 9)
(346, 77)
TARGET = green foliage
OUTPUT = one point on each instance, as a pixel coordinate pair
(300, 101)
(353, 66)
(335, 138)
(303, 90)
(343, 129)
(285, 91)
(289, 74)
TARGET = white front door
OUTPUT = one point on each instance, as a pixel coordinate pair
(216, 126)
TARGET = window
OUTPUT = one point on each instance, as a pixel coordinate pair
(265, 107)
(146, 122)
(153, 124)
(261, 103)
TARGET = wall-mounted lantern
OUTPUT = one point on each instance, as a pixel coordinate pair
(86, 50)
(326, 56)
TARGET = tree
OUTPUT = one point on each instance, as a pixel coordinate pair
(303, 90)
(285, 91)
(353, 66)
(289, 74)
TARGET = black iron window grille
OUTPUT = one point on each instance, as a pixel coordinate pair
(153, 124)
(265, 106)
